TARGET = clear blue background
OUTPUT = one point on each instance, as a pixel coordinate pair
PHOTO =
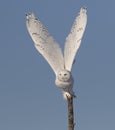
(29, 99)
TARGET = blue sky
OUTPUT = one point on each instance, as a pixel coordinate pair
(29, 99)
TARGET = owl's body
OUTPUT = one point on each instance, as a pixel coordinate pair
(65, 81)
(51, 51)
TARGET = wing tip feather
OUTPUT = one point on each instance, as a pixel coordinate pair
(30, 16)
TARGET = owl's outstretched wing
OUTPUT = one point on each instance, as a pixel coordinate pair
(74, 38)
(45, 43)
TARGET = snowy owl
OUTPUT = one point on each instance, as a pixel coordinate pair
(51, 51)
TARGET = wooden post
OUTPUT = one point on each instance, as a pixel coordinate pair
(70, 113)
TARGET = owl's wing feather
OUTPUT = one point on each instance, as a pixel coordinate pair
(45, 43)
(74, 38)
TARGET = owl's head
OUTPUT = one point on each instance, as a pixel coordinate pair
(64, 75)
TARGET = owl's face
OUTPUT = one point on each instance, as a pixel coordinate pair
(64, 75)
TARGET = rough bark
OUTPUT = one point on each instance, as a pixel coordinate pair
(70, 114)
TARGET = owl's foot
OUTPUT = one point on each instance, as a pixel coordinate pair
(68, 95)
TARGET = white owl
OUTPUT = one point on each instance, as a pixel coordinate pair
(51, 51)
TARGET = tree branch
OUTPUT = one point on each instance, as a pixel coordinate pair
(70, 113)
